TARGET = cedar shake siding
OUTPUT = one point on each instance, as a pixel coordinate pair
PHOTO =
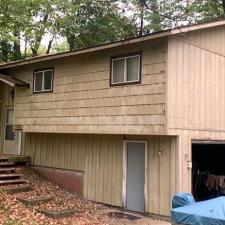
(83, 101)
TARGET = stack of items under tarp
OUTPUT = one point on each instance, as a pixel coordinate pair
(207, 186)
(188, 212)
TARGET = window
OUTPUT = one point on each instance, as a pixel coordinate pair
(125, 70)
(9, 134)
(43, 80)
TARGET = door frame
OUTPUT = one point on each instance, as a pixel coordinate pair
(4, 127)
(124, 183)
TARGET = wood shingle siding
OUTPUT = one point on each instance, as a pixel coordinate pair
(101, 159)
(83, 101)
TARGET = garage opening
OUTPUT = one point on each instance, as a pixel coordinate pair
(208, 170)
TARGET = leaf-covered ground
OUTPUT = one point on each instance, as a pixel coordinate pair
(12, 212)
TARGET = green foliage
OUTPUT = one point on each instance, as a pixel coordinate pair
(210, 10)
(85, 23)
(60, 47)
(88, 23)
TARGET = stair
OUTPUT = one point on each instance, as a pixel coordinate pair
(15, 181)
(18, 189)
(3, 158)
(8, 174)
(57, 214)
(35, 201)
(7, 170)
(6, 164)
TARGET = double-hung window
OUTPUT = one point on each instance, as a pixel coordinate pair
(126, 70)
(43, 80)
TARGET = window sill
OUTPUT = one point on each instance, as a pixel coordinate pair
(42, 92)
(125, 83)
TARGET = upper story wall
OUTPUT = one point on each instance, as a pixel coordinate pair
(82, 100)
(196, 81)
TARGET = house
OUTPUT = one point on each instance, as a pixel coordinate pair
(125, 119)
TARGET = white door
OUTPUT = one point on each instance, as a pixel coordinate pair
(9, 135)
(135, 176)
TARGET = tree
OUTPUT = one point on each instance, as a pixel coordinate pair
(24, 19)
(88, 23)
(9, 32)
(85, 23)
(210, 10)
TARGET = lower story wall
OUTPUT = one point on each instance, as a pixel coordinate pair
(100, 157)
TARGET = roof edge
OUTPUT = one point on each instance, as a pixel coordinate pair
(86, 50)
(105, 46)
(13, 82)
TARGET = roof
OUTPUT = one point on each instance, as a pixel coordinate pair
(134, 40)
(13, 82)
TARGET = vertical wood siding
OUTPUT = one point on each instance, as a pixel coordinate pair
(196, 96)
(99, 156)
(101, 159)
(83, 101)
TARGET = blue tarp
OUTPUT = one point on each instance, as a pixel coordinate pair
(182, 199)
(210, 212)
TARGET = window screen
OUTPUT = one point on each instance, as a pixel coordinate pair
(133, 68)
(38, 81)
(118, 70)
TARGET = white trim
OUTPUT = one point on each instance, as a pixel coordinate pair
(125, 172)
(19, 142)
(125, 69)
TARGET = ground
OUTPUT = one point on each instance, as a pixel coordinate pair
(12, 212)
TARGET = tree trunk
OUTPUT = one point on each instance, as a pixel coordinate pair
(49, 46)
(36, 44)
(34, 52)
(223, 3)
(5, 49)
(71, 41)
(16, 47)
(142, 19)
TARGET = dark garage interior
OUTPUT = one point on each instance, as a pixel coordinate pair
(208, 170)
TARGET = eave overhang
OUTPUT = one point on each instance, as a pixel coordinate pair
(13, 82)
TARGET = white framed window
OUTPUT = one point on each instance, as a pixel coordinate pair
(43, 80)
(125, 70)
(9, 133)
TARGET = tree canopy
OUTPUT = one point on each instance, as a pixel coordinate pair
(84, 23)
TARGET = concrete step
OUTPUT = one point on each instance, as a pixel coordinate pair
(7, 170)
(10, 176)
(6, 164)
(15, 181)
(35, 201)
(19, 189)
(57, 214)
(3, 158)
